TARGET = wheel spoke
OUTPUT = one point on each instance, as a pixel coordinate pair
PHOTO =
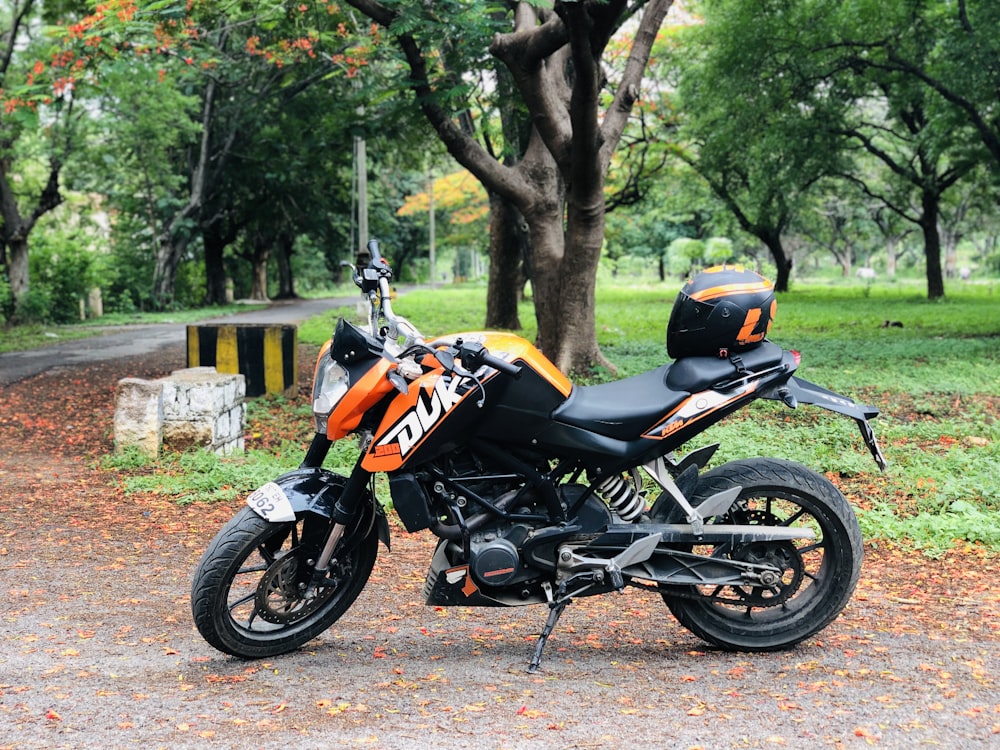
(811, 548)
(240, 602)
(795, 517)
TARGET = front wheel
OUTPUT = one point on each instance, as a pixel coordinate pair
(818, 575)
(244, 598)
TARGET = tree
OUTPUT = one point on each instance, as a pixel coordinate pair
(753, 126)
(951, 48)
(912, 151)
(840, 224)
(20, 64)
(554, 57)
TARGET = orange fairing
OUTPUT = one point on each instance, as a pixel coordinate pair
(411, 418)
(433, 397)
(361, 397)
(512, 348)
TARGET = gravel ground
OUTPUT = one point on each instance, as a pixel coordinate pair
(98, 647)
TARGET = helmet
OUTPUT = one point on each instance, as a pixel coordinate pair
(721, 310)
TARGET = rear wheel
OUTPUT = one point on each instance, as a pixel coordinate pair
(244, 597)
(818, 575)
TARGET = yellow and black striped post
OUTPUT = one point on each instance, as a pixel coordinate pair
(266, 355)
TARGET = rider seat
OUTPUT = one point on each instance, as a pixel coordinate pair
(625, 409)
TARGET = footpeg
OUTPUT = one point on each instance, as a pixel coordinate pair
(572, 564)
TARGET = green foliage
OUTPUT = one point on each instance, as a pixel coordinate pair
(197, 475)
(62, 271)
(718, 250)
(684, 253)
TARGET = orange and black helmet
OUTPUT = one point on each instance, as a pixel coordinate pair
(723, 309)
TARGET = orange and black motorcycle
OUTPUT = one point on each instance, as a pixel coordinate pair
(534, 486)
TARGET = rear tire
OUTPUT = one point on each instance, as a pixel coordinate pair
(819, 575)
(241, 599)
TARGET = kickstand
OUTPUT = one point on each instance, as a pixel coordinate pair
(555, 610)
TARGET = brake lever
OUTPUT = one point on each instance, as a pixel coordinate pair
(447, 360)
(355, 275)
(398, 381)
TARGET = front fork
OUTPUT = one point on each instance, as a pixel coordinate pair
(345, 512)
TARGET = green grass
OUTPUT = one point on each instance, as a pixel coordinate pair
(934, 379)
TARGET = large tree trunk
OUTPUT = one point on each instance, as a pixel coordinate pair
(260, 253)
(17, 269)
(215, 243)
(16, 227)
(509, 250)
(782, 259)
(168, 258)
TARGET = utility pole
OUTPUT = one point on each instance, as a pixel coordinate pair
(430, 193)
(361, 165)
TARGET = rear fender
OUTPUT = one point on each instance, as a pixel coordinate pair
(310, 490)
(797, 391)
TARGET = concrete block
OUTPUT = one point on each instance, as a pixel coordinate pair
(139, 415)
(194, 407)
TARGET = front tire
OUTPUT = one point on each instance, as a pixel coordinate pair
(818, 575)
(243, 597)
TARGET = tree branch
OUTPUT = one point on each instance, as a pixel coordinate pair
(495, 176)
(10, 38)
(616, 117)
(542, 85)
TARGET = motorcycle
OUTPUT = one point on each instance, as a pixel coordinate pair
(534, 488)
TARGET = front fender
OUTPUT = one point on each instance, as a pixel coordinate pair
(309, 490)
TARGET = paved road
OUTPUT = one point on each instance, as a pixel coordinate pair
(130, 341)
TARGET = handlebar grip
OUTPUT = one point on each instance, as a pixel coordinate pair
(502, 365)
(373, 250)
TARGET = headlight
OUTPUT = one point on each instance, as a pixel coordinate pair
(329, 386)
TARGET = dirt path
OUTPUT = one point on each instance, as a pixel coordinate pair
(98, 648)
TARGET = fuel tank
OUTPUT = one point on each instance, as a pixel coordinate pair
(441, 411)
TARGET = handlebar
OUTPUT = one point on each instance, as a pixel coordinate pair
(373, 280)
(503, 366)
(474, 355)
(373, 250)
(374, 283)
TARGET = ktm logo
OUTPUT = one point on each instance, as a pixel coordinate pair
(419, 420)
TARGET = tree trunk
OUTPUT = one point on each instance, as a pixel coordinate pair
(15, 228)
(554, 57)
(931, 207)
(168, 257)
(286, 281)
(782, 260)
(509, 249)
(215, 243)
(891, 254)
(547, 245)
(261, 253)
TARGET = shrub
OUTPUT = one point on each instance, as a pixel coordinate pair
(62, 272)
